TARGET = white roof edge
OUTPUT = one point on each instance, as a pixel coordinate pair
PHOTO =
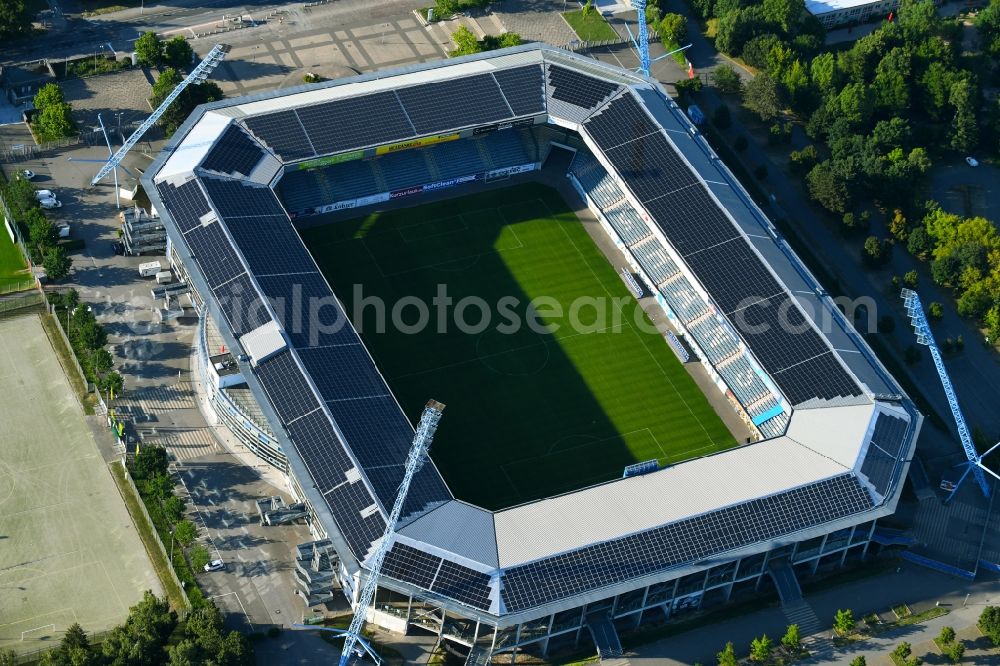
(192, 149)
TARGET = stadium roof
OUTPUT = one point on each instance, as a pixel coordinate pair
(849, 427)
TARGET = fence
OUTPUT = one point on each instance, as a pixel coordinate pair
(27, 300)
(72, 354)
(152, 529)
(35, 656)
(12, 223)
(24, 151)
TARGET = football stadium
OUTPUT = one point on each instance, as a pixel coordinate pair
(653, 407)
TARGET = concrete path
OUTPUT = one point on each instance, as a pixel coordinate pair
(918, 587)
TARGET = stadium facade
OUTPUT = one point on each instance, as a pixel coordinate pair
(834, 432)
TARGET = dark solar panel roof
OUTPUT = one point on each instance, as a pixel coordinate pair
(734, 274)
(883, 451)
(286, 387)
(682, 542)
(380, 437)
(307, 309)
(621, 121)
(186, 203)
(651, 167)
(690, 220)
(233, 152)
(446, 105)
(523, 88)
(577, 88)
(410, 565)
(283, 133)
(214, 254)
(269, 244)
(242, 306)
(355, 122)
(234, 198)
(463, 584)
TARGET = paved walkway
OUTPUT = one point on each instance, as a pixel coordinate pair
(920, 588)
(537, 20)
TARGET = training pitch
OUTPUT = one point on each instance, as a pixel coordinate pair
(68, 549)
(530, 413)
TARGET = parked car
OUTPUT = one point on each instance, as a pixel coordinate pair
(64, 230)
(26, 174)
(50, 203)
(118, 247)
(972, 161)
(44, 194)
(215, 565)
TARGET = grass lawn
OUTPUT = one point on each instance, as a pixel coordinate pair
(13, 271)
(591, 28)
(530, 413)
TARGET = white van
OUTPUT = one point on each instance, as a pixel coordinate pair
(149, 269)
(164, 277)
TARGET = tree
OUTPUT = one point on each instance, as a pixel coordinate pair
(149, 49)
(145, 631)
(508, 39)
(73, 650)
(843, 621)
(910, 279)
(199, 557)
(185, 532)
(903, 650)
(55, 122)
(823, 73)
(150, 461)
(918, 19)
(102, 360)
(721, 117)
(727, 80)
(177, 52)
(728, 656)
(41, 232)
(989, 623)
(859, 661)
(173, 507)
(15, 21)
(828, 189)
(935, 310)
(803, 160)
(784, 13)
(761, 648)
(673, 28)
(56, 263)
(988, 24)
(791, 640)
(946, 636)
(955, 652)
(892, 81)
(762, 97)
(465, 42)
(856, 103)
(964, 132)
(48, 95)
(736, 28)
(588, 8)
(874, 250)
(757, 51)
(919, 243)
(111, 383)
(185, 103)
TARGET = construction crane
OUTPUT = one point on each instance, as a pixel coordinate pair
(974, 462)
(642, 44)
(414, 461)
(198, 75)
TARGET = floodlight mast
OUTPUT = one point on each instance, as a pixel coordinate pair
(925, 337)
(197, 75)
(414, 461)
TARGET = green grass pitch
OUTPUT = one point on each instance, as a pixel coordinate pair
(530, 414)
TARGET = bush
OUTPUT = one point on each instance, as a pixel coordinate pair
(955, 652)
(843, 621)
(910, 279)
(903, 650)
(727, 80)
(946, 636)
(804, 160)
(588, 8)
(989, 623)
(199, 557)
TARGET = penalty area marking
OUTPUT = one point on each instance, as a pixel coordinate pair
(44, 626)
